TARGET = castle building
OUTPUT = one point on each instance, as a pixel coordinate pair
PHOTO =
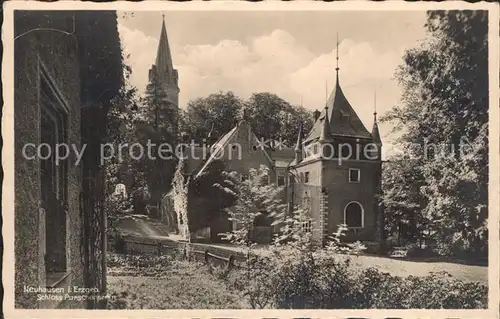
(336, 172)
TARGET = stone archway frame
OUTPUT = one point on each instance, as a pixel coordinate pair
(362, 213)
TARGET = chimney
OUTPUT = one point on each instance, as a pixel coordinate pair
(316, 115)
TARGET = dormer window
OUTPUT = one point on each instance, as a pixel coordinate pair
(345, 115)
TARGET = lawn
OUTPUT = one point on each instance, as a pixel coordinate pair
(404, 268)
(139, 282)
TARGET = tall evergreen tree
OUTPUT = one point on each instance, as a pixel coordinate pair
(158, 125)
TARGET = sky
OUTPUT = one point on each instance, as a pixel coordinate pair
(289, 53)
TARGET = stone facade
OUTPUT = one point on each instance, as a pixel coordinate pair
(51, 58)
(55, 76)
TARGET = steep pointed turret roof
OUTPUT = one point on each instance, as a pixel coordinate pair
(343, 119)
(375, 133)
(163, 62)
(325, 135)
(298, 146)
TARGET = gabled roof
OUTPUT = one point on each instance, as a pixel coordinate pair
(343, 119)
(222, 144)
(216, 148)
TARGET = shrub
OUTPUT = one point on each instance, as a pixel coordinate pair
(119, 244)
(255, 281)
(310, 280)
(415, 250)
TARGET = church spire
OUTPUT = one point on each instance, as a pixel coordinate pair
(163, 62)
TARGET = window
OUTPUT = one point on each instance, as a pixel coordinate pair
(53, 179)
(354, 175)
(353, 215)
(306, 226)
(306, 177)
(281, 180)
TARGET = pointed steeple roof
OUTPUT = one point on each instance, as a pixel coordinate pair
(163, 62)
(343, 119)
(325, 135)
(375, 133)
(298, 147)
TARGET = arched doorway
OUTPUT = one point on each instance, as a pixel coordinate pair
(354, 215)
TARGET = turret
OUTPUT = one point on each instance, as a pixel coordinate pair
(316, 115)
(375, 132)
(325, 135)
(298, 147)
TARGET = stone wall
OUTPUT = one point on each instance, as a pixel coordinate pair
(341, 192)
(57, 52)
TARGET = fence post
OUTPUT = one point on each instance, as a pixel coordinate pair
(206, 256)
(159, 249)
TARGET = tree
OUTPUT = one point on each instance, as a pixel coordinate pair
(268, 114)
(443, 121)
(218, 112)
(274, 118)
(291, 121)
(403, 201)
(180, 187)
(253, 197)
(157, 123)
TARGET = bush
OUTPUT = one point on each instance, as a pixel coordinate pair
(118, 244)
(415, 250)
(294, 279)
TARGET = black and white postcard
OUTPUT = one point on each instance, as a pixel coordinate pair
(238, 159)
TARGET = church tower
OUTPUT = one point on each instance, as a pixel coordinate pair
(339, 171)
(162, 72)
(163, 92)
